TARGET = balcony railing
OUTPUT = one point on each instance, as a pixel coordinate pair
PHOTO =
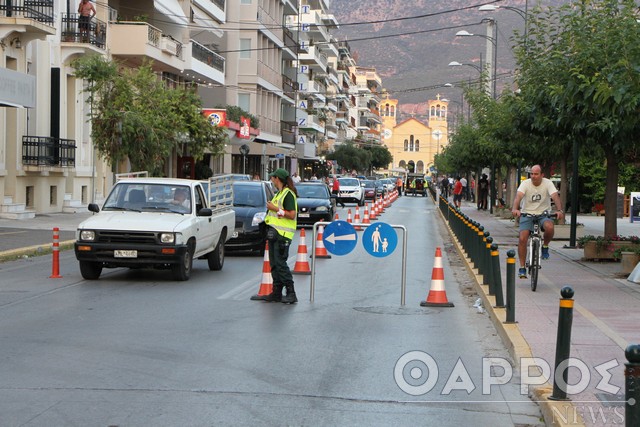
(207, 56)
(95, 34)
(48, 151)
(39, 10)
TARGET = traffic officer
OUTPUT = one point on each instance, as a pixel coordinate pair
(281, 227)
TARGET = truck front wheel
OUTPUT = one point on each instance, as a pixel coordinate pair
(215, 259)
(90, 270)
(182, 270)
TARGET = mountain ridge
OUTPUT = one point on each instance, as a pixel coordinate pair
(411, 50)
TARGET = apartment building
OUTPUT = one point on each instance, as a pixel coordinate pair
(47, 160)
(275, 59)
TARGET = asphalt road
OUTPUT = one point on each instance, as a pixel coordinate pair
(136, 348)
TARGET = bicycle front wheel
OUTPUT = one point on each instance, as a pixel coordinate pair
(535, 263)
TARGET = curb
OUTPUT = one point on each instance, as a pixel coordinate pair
(517, 345)
(35, 250)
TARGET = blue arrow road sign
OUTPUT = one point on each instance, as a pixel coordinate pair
(339, 238)
(380, 239)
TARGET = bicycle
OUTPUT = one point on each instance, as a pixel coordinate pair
(534, 247)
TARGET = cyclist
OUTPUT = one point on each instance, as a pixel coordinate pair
(535, 194)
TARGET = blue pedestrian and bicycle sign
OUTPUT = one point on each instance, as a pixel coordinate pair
(380, 239)
(339, 238)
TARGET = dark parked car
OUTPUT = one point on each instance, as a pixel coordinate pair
(373, 189)
(250, 205)
(314, 203)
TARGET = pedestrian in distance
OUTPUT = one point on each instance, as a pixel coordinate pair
(483, 192)
(444, 187)
(535, 194)
(457, 193)
(281, 223)
(463, 181)
(399, 186)
(86, 12)
(335, 190)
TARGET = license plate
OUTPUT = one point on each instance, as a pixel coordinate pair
(303, 215)
(234, 235)
(344, 194)
(125, 254)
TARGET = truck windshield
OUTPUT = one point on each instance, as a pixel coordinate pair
(149, 197)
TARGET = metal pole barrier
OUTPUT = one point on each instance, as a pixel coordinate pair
(511, 287)
(488, 280)
(632, 386)
(563, 343)
(55, 268)
(497, 276)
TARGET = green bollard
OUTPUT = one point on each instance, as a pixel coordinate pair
(497, 277)
(563, 342)
(632, 386)
(511, 287)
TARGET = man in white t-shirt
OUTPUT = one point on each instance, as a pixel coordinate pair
(535, 194)
(463, 181)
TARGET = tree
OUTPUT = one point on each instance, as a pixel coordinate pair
(380, 156)
(351, 157)
(135, 116)
(581, 62)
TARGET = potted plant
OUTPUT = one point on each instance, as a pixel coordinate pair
(629, 256)
(603, 248)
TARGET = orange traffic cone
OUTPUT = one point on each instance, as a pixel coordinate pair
(266, 287)
(374, 211)
(366, 214)
(302, 263)
(337, 218)
(349, 216)
(321, 251)
(356, 219)
(437, 295)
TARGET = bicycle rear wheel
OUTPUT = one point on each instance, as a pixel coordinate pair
(535, 263)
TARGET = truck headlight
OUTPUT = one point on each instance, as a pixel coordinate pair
(88, 235)
(167, 237)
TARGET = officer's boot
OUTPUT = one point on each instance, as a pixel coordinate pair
(275, 295)
(290, 297)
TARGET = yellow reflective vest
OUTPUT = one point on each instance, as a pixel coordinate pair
(284, 226)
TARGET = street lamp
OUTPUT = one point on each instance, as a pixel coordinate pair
(492, 50)
(523, 13)
(458, 64)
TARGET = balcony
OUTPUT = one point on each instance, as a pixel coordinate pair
(136, 41)
(96, 35)
(37, 10)
(204, 64)
(27, 16)
(289, 87)
(314, 57)
(48, 151)
(291, 46)
(273, 29)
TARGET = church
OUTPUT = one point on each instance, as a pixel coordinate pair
(412, 143)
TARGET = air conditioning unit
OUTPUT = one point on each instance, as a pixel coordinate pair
(169, 45)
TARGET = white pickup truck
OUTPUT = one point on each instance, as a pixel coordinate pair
(160, 223)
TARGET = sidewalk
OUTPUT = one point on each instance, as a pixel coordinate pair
(605, 319)
(18, 237)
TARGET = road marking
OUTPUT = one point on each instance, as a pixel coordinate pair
(246, 289)
(11, 232)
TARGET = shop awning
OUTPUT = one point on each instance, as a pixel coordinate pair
(17, 89)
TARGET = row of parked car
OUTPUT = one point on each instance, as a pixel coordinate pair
(315, 203)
